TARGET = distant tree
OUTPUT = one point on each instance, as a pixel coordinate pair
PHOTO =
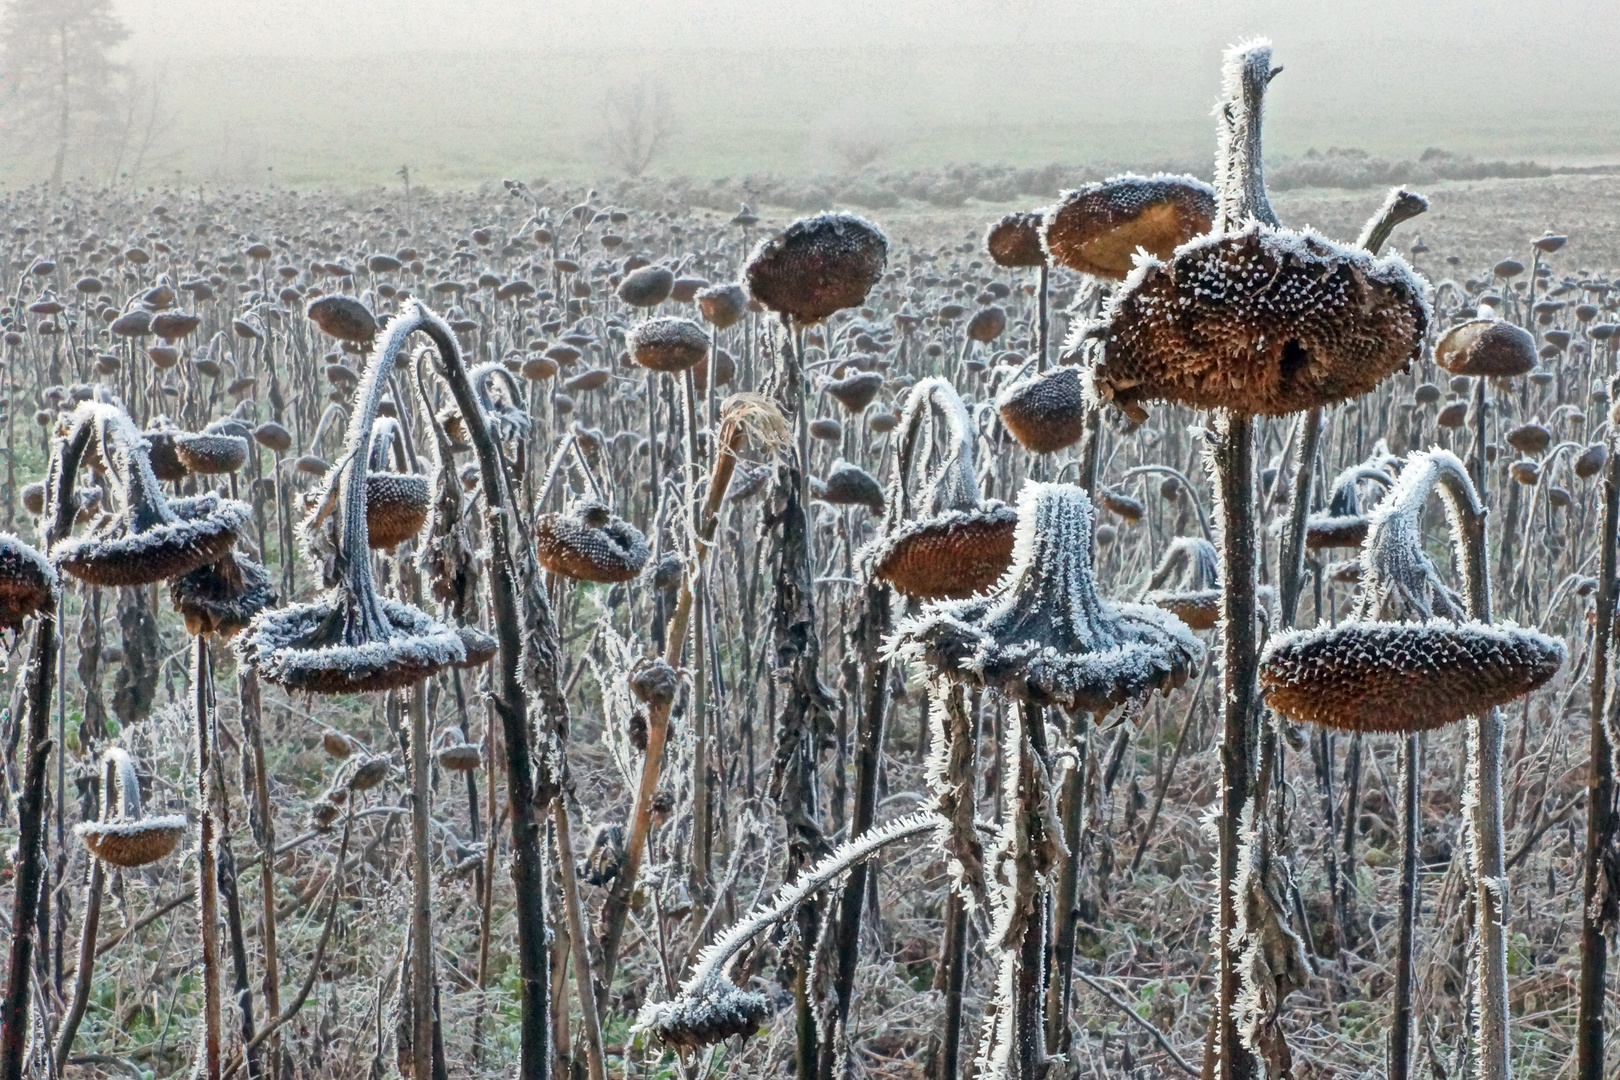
(57, 71)
(859, 137)
(637, 125)
(143, 120)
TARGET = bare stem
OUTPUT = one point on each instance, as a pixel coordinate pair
(1598, 909)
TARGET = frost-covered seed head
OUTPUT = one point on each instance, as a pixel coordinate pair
(1015, 240)
(950, 555)
(368, 772)
(461, 757)
(667, 343)
(1529, 438)
(222, 597)
(28, 582)
(722, 306)
(855, 392)
(1344, 524)
(1403, 677)
(986, 324)
(1044, 635)
(1045, 412)
(1486, 347)
(851, 485)
(647, 286)
(203, 530)
(716, 1012)
(480, 647)
(1122, 505)
(1263, 321)
(1187, 583)
(1421, 665)
(958, 544)
(818, 266)
(590, 543)
(321, 648)
(210, 454)
(397, 506)
(1099, 228)
(127, 837)
(654, 682)
(344, 318)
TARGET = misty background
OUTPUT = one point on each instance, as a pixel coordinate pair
(344, 92)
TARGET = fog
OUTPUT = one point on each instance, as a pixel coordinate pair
(345, 91)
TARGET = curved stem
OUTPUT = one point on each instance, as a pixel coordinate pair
(509, 698)
(1187, 485)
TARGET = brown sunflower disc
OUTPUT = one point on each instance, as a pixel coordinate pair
(1403, 677)
(951, 556)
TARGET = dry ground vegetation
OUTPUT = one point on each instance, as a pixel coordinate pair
(532, 280)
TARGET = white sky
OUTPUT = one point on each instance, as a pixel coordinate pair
(1577, 32)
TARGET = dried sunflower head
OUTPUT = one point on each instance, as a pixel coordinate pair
(818, 266)
(851, 485)
(160, 450)
(210, 453)
(957, 544)
(1487, 347)
(1099, 228)
(344, 318)
(653, 682)
(222, 597)
(856, 391)
(149, 538)
(1410, 659)
(480, 647)
(1015, 240)
(352, 639)
(28, 582)
(1344, 523)
(1263, 320)
(397, 506)
(718, 1011)
(126, 836)
(1043, 635)
(589, 542)
(667, 343)
(332, 646)
(1045, 412)
(647, 286)
(1187, 583)
(722, 306)
(460, 757)
(1403, 677)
